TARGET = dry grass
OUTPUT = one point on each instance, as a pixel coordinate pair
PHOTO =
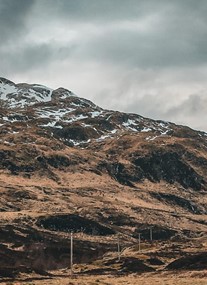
(120, 280)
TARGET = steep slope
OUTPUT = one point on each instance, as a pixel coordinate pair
(67, 164)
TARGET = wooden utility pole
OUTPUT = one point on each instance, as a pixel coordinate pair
(139, 241)
(71, 254)
(150, 233)
(118, 248)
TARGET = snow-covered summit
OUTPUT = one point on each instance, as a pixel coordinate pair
(21, 95)
(62, 115)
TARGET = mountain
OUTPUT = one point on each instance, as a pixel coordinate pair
(66, 165)
(75, 120)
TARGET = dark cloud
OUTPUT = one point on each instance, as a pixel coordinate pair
(28, 58)
(138, 33)
(13, 14)
(165, 34)
(119, 10)
(97, 10)
(148, 50)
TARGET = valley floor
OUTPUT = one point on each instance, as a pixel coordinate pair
(188, 278)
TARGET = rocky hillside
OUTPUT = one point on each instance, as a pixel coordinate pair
(69, 165)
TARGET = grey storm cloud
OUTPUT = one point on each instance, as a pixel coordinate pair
(97, 10)
(13, 14)
(116, 10)
(132, 48)
(174, 33)
(121, 54)
(30, 57)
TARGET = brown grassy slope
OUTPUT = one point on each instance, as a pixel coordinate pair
(128, 185)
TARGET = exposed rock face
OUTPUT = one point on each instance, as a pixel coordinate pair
(178, 201)
(74, 223)
(158, 233)
(169, 166)
(67, 164)
(190, 262)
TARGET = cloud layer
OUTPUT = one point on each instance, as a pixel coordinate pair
(147, 57)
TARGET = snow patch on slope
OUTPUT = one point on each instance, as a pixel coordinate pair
(5, 89)
(22, 95)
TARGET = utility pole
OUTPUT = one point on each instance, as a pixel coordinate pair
(118, 248)
(71, 254)
(151, 234)
(139, 241)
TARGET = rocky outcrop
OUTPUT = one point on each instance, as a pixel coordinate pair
(74, 223)
(169, 166)
(190, 262)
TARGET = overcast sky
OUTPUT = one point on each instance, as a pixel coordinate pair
(142, 56)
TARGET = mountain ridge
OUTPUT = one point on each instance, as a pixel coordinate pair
(60, 108)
